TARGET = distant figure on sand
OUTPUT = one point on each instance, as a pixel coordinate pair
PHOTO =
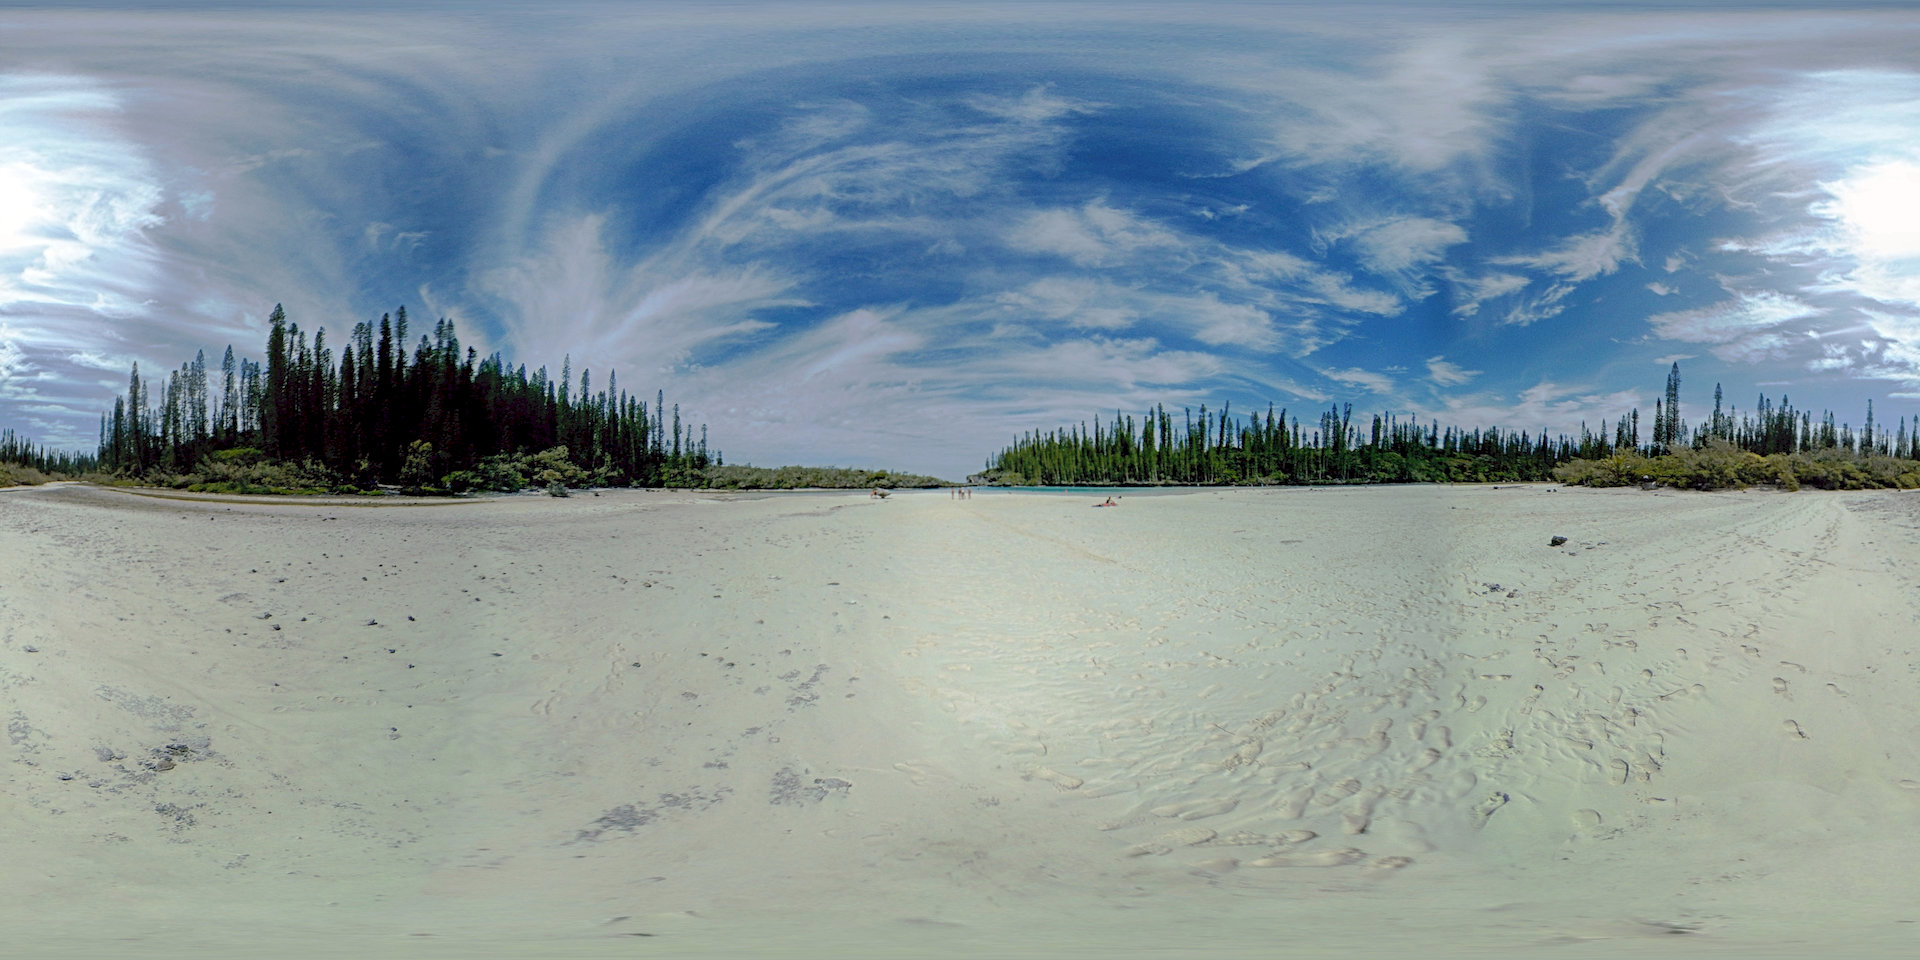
(1109, 503)
(877, 492)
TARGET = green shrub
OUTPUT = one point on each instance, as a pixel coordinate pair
(240, 456)
(1619, 470)
(737, 477)
(416, 472)
(17, 474)
(251, 473)
(1720, 465)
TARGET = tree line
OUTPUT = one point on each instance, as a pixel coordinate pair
(24, 462)
(441, 418)
(1220, 448)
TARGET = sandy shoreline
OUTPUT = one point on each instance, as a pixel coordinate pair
(1224, 723)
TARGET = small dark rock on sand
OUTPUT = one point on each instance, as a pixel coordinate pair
(1556, 541)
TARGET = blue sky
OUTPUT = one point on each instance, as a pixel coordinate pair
(900, 234)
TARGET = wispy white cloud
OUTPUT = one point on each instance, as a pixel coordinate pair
(1074, 301)
(1095, 235)
(571, 294)
(1470, 293)
(1545, 305)
(1448, 374)
(1039, 105)
(1580, 258)
(1404, 250)
(1371, 381)
(1898, 346)
(1732, 320)
(1425, 106)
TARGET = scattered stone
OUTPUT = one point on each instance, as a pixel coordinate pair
(1556, 541)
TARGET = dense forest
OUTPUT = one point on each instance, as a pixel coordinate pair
(441, 418)
(446, 420)
(1774, 443)
(22, 461)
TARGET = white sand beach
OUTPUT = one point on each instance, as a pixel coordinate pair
(1387, 722)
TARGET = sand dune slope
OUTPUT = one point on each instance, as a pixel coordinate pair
(1358, 722)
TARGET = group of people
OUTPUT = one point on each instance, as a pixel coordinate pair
(960, 493)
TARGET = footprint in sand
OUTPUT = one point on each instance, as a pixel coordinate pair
(917, 773)
(1197, 809)
(1249, 751)
(1384, 864)
(1282, 839)
(1780, 687)
(1336, 793)
(1318, 858)
(1294, 803)
(1617, 771)
(1526, 705)
(1060, 780)
(1792, 729)
(1586, 819)
(1188, 836)
(1356, 819)
(1488, 806)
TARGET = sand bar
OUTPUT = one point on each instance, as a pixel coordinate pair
(1353, 722)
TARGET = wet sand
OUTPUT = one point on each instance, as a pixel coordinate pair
(1353, 722)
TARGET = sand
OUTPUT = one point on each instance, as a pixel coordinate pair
(1334, 722)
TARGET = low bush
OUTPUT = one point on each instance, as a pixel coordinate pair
(1721, 466)
(736, 477)
(17, 474)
